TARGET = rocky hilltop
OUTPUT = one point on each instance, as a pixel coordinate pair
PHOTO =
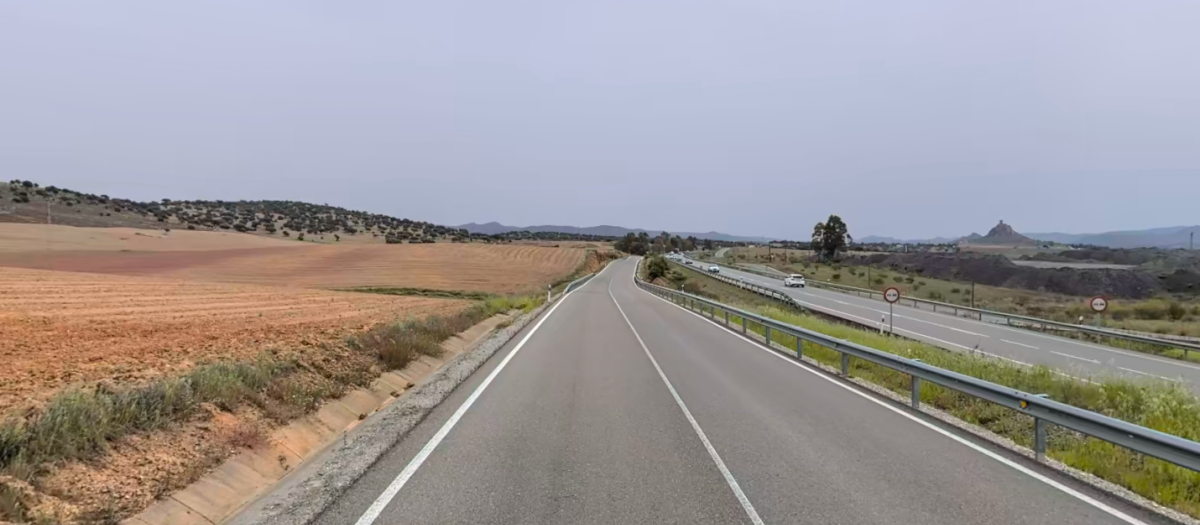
(1004, 235)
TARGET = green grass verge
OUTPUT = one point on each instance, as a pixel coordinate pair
(1160, 405)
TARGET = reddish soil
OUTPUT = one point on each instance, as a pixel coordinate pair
(42, 238)
(61, 328)
(444, 266)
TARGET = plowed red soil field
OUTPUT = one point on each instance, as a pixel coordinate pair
(59, 328)
(444, 266)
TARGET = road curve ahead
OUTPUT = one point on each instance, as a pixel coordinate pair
(619, 407)
(960, 334)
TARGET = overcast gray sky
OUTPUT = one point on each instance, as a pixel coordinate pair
(753, 117)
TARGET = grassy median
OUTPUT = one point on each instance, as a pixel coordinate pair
(1168, 407)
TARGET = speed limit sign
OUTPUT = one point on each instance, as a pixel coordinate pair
(891, 295)
(1098, 304)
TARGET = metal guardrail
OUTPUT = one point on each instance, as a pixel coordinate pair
(994, 317)
(1173, 449)
(578, 282)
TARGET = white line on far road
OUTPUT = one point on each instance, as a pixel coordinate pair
(1021, 344)
(1075, 357)
(1151, 375)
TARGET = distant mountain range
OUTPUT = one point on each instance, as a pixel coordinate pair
(1171, 237)
(493, 228)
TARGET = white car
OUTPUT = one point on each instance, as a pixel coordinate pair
(714, 269)
(794, 280)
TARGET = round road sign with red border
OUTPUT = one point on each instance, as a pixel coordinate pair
(1098, 304)
(891, 295)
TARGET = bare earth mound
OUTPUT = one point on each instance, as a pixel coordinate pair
(62, 328)
(444, 266)
(42, 237)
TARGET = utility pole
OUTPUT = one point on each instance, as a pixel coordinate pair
(1192, 241)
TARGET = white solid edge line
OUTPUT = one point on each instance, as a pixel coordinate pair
(1151, 375)
(1020, 468)
(712, 452)
(376, 508)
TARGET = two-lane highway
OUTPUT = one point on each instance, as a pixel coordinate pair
(960, 334)
(620, 407)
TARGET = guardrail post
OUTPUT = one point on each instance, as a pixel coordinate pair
(726, 317)
(1039, 435)
(743, 325)
(768, 332)
(916, 390)
(1039, 439)
(845, 364)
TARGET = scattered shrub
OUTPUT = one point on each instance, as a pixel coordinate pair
(898, 279)
(935, 295)
(1176, 311)
(955, 290)
(836, 277)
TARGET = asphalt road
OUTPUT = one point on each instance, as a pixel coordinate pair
(619, 407)
(1078, 358)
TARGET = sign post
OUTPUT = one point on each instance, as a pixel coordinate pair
(891, 295)
(1099, 304)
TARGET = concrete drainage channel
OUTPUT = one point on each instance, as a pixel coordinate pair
(217, 496)
(305, 492)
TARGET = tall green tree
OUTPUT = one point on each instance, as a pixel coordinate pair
(633, 244)
(830, 237)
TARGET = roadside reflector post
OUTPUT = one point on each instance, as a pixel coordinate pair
(726, 317)
(845, 364)
(799, 349)
(548, 293)
(768, 332)
(743, 325)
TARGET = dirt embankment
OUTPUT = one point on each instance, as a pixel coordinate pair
(995, 270)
